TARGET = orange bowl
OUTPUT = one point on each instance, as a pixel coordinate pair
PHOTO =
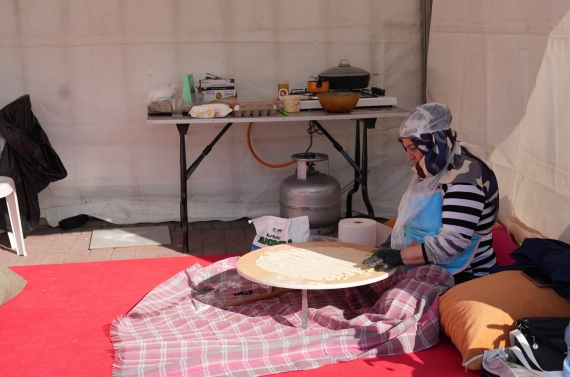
(338, 102)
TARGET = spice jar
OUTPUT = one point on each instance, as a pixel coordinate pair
(282, 89)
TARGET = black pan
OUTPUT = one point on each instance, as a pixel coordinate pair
(345, 77)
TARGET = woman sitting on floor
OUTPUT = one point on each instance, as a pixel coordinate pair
(447, 213)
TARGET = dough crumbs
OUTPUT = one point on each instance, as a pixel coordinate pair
(318, 263)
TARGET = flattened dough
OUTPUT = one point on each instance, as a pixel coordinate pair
(318, 263)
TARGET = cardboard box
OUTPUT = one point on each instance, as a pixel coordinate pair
(218, 94)
(218, 84)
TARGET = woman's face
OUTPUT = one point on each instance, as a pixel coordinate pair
(412, 152)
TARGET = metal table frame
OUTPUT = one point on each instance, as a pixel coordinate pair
(367, 116)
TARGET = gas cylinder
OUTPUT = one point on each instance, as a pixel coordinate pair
(311, 193)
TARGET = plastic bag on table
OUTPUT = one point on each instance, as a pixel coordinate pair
(164, 93)
(213, 110)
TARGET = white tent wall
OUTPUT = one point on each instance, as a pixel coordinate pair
(503, 67)
(88, 66)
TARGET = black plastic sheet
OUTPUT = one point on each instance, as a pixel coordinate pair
(29, 159)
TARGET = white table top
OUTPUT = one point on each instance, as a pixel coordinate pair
(305, 115)
(248, 268)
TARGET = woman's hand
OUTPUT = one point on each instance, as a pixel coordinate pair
(384, 256)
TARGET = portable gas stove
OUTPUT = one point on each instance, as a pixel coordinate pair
(373, 97)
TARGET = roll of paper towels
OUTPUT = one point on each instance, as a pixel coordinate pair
(355, 230)
(382, 233)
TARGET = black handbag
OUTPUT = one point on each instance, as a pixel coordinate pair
(545, 336)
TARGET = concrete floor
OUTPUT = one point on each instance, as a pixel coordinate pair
(46, 245)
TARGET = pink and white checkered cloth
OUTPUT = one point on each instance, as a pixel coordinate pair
(178, 329)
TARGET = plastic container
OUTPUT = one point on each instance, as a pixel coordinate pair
(249, 108)
(282, 89)
(566, 367)
(188, 90)
(292, 103)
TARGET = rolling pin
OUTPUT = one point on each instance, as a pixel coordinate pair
(276, 292)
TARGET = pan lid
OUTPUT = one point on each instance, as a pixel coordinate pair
(344, 69)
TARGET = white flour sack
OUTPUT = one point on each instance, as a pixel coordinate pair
(273, 230)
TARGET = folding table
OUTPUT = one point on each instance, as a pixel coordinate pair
(367, 116)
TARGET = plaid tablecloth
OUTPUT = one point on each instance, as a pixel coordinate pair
(178, 329)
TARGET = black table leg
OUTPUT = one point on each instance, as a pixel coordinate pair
(185, 175)
(360, 165)
(364, 174)
(206, 151)
(356, 172)
(337, 146)
(182, 130)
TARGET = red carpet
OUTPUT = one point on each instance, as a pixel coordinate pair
(59, 325)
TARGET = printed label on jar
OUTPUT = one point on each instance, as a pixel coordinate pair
(282, 93)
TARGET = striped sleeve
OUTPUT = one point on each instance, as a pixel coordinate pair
(463, 206)
(485, 257)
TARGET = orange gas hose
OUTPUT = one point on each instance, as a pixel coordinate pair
(258, 159)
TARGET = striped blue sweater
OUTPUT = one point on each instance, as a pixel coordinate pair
(465, 212)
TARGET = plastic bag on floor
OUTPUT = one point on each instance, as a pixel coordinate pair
(273, 230)
(503, 362)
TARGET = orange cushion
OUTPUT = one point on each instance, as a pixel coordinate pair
(477, 315)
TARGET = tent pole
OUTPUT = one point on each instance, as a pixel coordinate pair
(426, 6)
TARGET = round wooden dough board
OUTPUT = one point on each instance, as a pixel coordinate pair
(248, 268)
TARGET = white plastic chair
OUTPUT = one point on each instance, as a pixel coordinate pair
(8, 191)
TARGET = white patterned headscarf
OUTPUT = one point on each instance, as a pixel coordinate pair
(426, 119)
(429, 128)
(445, 161)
